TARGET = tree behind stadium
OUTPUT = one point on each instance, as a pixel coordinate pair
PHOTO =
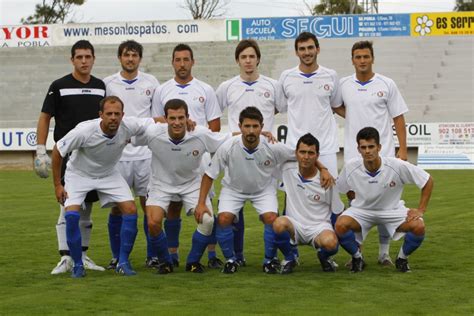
(52, 11)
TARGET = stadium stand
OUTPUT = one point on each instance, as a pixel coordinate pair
(435, 74)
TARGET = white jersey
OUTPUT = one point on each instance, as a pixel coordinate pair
(94, 154)
(248, 171)
(236, 94)
(175, 165)
(136, 94)
(306, 201)
(380, 190)
(373, 103)
(309, 99)
(199, 96)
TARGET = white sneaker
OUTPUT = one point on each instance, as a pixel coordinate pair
(385, 260)
(333, 262)
(90, 265)
(64, 265)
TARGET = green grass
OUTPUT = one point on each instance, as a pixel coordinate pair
(441, 282)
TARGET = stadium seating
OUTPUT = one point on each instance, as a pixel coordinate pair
(435, 74)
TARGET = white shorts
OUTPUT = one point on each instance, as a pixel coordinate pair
(264, 201)
(386, 220)
(110, 189)
(137, 174)
(305, 234)
(157, 197)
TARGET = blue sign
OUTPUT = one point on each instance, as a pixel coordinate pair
(327, 26)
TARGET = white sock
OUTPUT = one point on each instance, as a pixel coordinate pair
(401, 254)
(61, 230)
(383, 249)
(85, 223)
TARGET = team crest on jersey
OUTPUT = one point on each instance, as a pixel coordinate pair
(316, 197)
(195, 152)
(266, 94)
(266, 163)
(380, 94)
(201, 99)
(326, 87)
(392, 184)
(148, 92)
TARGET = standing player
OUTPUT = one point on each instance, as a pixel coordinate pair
(96, 147)
(204, 110)
(371, 99)
(70, 100)
(308, 205)
(249, 162)
(176, 163)
(378, 185)
(310, 95)
(135, 89)
(248, 88)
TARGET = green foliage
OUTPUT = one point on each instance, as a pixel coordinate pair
(333, 7)
(440, 284)
(464, 5)
(52, 11)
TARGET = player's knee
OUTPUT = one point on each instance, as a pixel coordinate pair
(115, 211)
(207, 224)
(225, 219)
(269, 218)
(154, 226)
(279, 225)
(342, 225)
(418, 228)
(128, 208)
(174, 210)
(329, 242)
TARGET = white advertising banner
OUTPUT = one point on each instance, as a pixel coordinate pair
(446, 156)
(113, 33)
(22, 139)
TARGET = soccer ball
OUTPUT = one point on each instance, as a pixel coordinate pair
(42, 165)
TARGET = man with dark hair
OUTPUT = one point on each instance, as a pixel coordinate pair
(249, 162)
(247, 88)
(176, 161)
(136, 89)
(309, 206)
(378, 185)
(371, 99)
(96, 147)
(70, 100)
(204, 110)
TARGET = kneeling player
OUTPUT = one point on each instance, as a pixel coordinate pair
(378, 185)
(175, 164)
(308, 204)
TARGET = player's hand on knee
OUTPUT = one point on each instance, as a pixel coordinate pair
(199, 212)
(61, 194)
(42, 162)
(414, 214)
(327, 180)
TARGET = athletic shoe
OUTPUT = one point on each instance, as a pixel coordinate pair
(333, 262)
(64, 265)
(402, 265)
(326, 263)
(78, 271)
(125, 269)
(112, 264)
(288, 266)
(90, 265)
(195, 267)
(152, 262)
(165, 268)
(385, 260)
(272, 266)
(241, 262)
(215, 263)
(358, 265)
(230, 267)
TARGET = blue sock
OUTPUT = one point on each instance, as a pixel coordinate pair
(334, 219)
(282, 241)
(239, 229)
(115, 223)
(326, 253)
(128, 233)
(349, 243)
(296, 253)
(172, 229)
(411, 243)
(160, 247)
(149, 251)
(174, 256)
(198, 245)
(73, 236)
(225, 237)
(269, 242)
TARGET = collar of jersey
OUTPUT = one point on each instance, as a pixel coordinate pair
(308, 75)
(249, 83)
(303, 179)
(177, 142)
(365, 82)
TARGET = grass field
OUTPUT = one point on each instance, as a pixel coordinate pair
(441, 282)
